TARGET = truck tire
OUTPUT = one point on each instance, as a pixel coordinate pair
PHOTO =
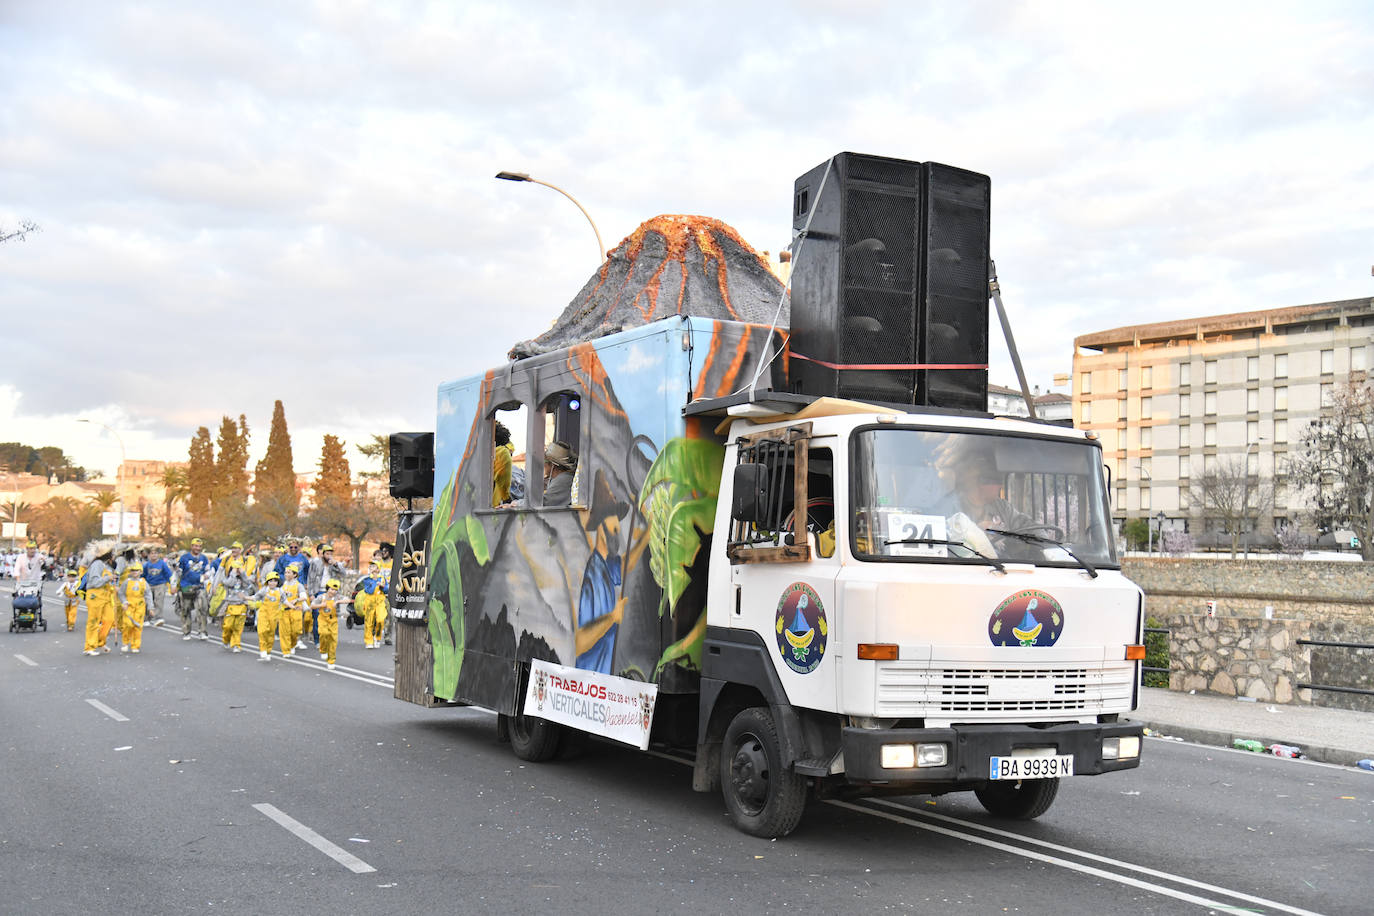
(531, 738)
(764, 797)
(1021, 801)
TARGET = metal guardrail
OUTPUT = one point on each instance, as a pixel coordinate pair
(1145, 669)
(1337, 645)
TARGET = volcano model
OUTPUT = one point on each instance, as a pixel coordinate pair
(671, 265)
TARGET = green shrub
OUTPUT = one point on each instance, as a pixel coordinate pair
(1156, 655)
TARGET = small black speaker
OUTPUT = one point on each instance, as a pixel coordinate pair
(412, 465)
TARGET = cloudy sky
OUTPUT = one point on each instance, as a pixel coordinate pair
(244, 201)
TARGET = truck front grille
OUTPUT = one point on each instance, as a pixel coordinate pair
(911, 690)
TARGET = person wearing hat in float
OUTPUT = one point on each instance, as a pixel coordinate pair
(100, 600)
(327, 613)
(383, 556)
(157, 574)
(270, 602)
(502, 458)
(67, 592)
(237, 585)
(133, 596)
(193, 599)
(560, 461)
(599, 604)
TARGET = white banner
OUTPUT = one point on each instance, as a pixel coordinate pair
(14, 530)
(603, 704)
(109, 524)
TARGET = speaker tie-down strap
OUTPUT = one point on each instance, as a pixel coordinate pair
(829, 365)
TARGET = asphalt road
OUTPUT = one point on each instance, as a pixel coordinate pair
(189, 779)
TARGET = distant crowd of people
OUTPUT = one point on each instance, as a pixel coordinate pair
(292, 599)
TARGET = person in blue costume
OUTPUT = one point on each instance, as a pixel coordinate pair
(599, 606)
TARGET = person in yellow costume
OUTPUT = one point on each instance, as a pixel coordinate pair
(133, 598)
(268, 600)
(295, 604)
(327, 606)
(372, 604)
(383, 557)
(234, 579)
(100, 601)
(501, 458)
(68, 593)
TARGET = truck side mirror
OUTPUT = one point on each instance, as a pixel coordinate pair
(750, 498)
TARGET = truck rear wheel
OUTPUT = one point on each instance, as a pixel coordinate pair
(764, 797)
(1022, 801)
(531, 738)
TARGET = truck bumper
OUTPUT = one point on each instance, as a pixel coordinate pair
(971, 747)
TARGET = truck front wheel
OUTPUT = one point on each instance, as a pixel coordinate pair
(1022, 801)
(764, 797)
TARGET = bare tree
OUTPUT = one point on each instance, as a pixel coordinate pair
(25, 227)
(1227, 496)
(1335, 463)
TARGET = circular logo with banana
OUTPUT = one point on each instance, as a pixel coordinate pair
(801, 628)
(1026, 618)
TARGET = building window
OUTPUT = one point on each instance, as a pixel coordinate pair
(1145, 469)
(1183, 436)
(1280, 430)
(1328, 362)
(1209, 403)
(1144, 497)
(1147, 376)
(1252, 400)
(1146, 408)
(1280, 365)
(1252, 367)
(1121, 409)
(1185, 374)
(1121, 379)
(1209, 464)
(1185, 467)
(1252, 463)
(1183, 498)
(1185, 405)
(1326, 394)
(1252, 432)
(1087, 412)
(1147, 438)
(1357, 359)
(1209, 434)
(1120, 467)
(1085, 383)
(1121, 497)
(1281, 397)
(1209, 372)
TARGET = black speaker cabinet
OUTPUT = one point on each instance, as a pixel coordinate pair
(412, 465)
(881, 282)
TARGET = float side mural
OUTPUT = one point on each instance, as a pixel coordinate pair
(616, 582)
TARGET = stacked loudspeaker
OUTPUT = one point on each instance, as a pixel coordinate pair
(412, 465)
(891, 275)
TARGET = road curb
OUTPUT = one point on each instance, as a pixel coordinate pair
(1220, 738)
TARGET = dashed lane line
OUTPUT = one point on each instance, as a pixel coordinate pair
(26, 660)
(337, 853)
(107, 710)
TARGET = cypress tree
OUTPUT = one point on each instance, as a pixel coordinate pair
(333, 485)
(275, 479)
(231, 468)
(200, 475)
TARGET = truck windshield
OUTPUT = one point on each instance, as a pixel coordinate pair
(952, 495)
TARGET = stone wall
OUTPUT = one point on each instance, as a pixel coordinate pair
(1263, 608)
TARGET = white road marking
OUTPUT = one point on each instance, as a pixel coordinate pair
(107, 710)
(26, 660)
(1118, 863)
(338, 854)
(1064, 863)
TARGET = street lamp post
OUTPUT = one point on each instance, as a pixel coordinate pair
(1159, 517)
(521, 176)
(123, 459)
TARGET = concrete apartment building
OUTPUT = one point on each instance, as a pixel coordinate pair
(1169, 399)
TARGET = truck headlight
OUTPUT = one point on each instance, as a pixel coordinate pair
(898, 756)
(932, 755)
(1121, 748)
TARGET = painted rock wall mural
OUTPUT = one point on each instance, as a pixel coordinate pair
(616, 583)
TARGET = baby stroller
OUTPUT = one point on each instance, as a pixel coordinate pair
(352, 616)
(28, 607)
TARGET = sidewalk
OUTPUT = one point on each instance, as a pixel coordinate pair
(1330, 735)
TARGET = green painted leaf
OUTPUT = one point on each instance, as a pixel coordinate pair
(679, 498)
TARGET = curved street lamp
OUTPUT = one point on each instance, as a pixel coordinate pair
(123, 459)
(521, 176)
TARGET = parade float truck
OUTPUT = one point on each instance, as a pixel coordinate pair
(798, 548)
